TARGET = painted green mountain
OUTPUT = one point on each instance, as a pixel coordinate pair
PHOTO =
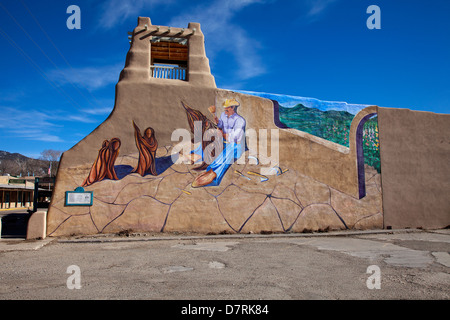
(333, 126)
(330, 125)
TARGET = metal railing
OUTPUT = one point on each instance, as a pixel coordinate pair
(165, 72)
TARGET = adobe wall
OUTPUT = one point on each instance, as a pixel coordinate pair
(415, 168)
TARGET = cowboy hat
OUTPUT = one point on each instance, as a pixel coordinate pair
(231, 103)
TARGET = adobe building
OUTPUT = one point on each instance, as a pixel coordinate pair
(134, 172)
(16, 192)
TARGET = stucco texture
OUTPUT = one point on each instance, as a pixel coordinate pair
(415, 168)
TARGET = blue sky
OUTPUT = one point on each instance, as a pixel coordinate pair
(57, 85)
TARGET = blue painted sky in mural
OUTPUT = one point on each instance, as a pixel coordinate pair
(289, 101)
(58, 85)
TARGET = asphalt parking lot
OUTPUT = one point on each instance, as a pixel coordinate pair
(374, 265)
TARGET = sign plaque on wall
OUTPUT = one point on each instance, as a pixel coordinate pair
(79, 197)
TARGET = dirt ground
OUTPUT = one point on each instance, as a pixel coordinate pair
(412, 264)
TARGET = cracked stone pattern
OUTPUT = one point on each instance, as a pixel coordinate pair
(290, 202)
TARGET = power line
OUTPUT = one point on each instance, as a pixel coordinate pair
(43, 52)
(46, 34)
(59, 52)
(35, 65)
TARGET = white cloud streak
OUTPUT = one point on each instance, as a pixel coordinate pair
(98, 111)
(29, 124)
(36, 135)
(91, 78)
(225, 36)
(24, 119)
(81, 118)
(115, 12)
(318, 7)
(42, 126)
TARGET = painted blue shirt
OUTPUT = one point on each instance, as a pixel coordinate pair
(233, 126)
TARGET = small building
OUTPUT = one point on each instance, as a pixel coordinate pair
(16, 192)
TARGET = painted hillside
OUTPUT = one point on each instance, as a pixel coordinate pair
(328, 120)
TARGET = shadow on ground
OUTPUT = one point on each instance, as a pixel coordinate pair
(14, 225)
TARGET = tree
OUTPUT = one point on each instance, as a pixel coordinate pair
(52, 156)
(6, 167)
(20, 165)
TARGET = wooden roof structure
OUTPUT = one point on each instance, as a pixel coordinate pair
(169, 50)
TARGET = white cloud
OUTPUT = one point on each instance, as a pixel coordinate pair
(81, 118)
(91, 78)
(250, 64)
(42, 126)
(98, 111)
(19, 119)
(317, 7)
(223, 35)
(36, 135)
(29, 124)
(115, 12)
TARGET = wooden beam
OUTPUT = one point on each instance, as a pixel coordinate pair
(172, 57)
(169, 51)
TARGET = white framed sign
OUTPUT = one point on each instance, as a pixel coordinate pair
(79, 197)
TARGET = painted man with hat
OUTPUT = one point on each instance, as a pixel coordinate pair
(232, 126)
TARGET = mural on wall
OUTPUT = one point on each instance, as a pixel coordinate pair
(229, 129)
(160, 189)
(371, 144)
(229, 138)
(329, 120)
